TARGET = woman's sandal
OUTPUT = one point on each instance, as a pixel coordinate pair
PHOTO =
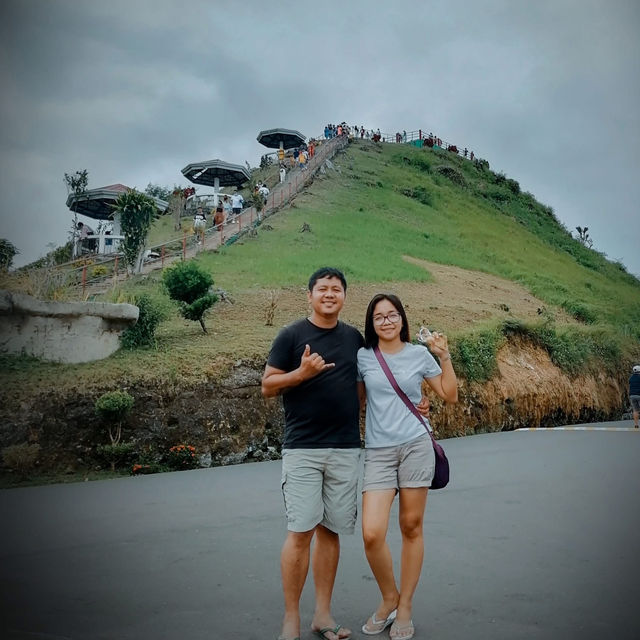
(402, 632)
(373, 627)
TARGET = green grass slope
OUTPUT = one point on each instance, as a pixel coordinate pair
(381, 204)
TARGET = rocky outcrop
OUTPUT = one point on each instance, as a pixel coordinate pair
(228, 421)
(62, 331)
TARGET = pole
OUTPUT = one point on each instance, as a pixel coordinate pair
(184, 246)
(84, 279)
(162, 256)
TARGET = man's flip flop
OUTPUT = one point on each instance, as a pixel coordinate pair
(378, 626)
(323, 632)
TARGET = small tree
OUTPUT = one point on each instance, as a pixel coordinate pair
(114, 407)
(143, 332)
(77, 184)
(7, 253)
(189, 285)
(583, 236)
(157, 191)
(137, 211)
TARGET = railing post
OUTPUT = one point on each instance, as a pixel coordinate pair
(162, 256)
(184, 246)
(84, 279)
(239, 221)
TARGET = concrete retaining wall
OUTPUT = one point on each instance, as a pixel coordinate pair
(62, 331)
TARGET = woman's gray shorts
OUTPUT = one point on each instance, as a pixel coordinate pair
(404, 466)
(320, 486)
(635, 403)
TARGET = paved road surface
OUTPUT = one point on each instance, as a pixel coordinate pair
(536, 537)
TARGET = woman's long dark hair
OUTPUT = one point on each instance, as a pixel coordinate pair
(370, 335)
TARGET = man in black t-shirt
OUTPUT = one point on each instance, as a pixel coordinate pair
(312, 363)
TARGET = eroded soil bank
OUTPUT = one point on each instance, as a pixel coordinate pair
(228, 421)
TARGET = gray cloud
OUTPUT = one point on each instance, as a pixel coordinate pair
(548, 92)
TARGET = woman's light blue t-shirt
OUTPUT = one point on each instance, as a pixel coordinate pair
(388, 421)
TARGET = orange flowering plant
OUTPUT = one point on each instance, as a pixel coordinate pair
(182, 456)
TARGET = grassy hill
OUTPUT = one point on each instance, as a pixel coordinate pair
(385, 215)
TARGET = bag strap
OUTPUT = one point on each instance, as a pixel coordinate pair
(399, 391)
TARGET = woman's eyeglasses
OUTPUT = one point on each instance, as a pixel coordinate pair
(393, 317)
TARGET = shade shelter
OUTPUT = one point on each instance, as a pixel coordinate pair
(281, 138)
(99, 204)
(216, 174)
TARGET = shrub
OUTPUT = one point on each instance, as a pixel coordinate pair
(21, 457)
(476, 355)
(117, 455)
(451, 173)
(182, 456)
(189, 284)
(418, 193)
(137, 211)
(113, 407)
(580, 311)
(143, 332)
(99, 271)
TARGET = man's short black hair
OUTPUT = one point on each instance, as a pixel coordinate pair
(327, 272)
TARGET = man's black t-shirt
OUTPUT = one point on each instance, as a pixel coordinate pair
(322, 412)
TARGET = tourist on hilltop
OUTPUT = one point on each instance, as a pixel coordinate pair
(302, 160)
(263, 190)
(226, 208)
(362, 133)
(399, 456)
(237, 202)
(283, 173)
(84, 231)
(634, 394)
(218, 217)
(200, 224)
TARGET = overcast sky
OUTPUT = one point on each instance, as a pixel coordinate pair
(132, 91)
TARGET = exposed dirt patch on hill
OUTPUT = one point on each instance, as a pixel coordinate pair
(456, 299)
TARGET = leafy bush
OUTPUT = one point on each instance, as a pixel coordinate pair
(137, 211)
(189, 284)
(475, 355)
(113, 407)
(117, 455)
(143, 332)
(21, 457)
(451, 173)
(98, 271)
(418, 193)
(580, 311)
(182, 456)
(419, 162)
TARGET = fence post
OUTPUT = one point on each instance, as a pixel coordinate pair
(281, 197)
(239, 222)
(84, 279)
(162, 256)
(184, 246)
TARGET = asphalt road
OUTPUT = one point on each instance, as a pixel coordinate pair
(536, 537)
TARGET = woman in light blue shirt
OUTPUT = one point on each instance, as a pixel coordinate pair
(399, 454)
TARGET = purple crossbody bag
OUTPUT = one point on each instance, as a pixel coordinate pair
(441, 474)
